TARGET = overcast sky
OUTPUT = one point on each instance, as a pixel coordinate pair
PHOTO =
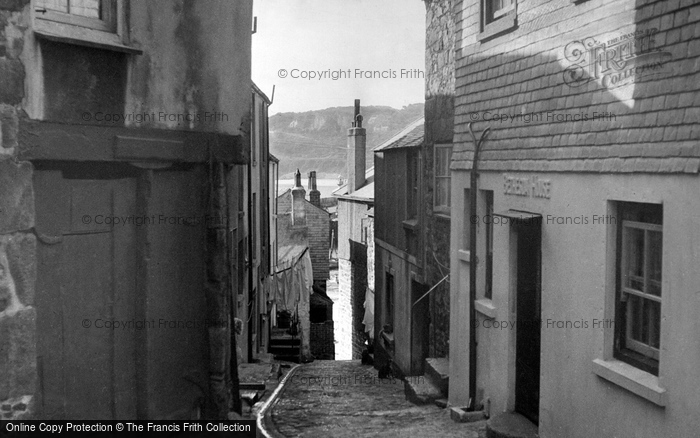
(355, 41)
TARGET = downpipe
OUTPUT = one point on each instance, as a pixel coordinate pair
(473, 260)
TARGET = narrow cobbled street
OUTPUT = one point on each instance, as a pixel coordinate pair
(347, 399)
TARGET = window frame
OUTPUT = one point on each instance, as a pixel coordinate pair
(488, 238)
(437, 178)
(466, 229)
(107, 24)
(254, 132)
(86, 31)
(492, 24)
(626, 349)
(412, 184)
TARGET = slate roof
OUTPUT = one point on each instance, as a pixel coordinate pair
(366, 192)
(410, 136)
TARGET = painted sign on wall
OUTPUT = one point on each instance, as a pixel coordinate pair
(530, 186)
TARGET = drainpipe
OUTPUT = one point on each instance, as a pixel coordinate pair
(217, 291)
(473, 187)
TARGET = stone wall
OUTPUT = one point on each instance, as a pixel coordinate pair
(358, 279)
(343, 306)
(370, 253)
(318, 223)
(315, 233)
(439, 123)
(18, 378)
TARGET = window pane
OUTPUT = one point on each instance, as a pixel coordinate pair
(442, 161)
(446, 161)
(85, 8)
(53, 5)
(635, 259)
(634, 317)
(448, 184)
(467, 223)
(443, 192)
(653, 321)
(654, 269)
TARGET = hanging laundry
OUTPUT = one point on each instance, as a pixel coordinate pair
(293, 282)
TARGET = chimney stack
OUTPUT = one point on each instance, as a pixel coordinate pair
(314, 194)
(298, 200)
(357, 141)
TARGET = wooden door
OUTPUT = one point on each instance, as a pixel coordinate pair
(85, 292)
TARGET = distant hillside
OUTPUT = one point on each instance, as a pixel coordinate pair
(316, 140)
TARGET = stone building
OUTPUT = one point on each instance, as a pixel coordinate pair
(120, 166)
(587, 216)
(258, 237)
(435, 154)
(303, 225)
(401, 320)
(355, 200)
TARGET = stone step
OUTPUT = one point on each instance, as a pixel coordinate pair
(421, 391)
(285, 341)
(461, 415)
(284, 349)
(251, 386)
(287, 358)
(510, 425)
(437, 370)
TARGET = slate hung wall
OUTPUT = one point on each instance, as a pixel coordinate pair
(594, 114)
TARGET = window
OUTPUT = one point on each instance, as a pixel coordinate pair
(468, 220)
(254, 226)
(441, 199)
(94, 23)
(497, 16)
(639, 297)
(488, 253)
(93, 14)
(254, 134)
(412, 184)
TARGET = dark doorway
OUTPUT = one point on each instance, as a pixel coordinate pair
(527, 351)
(420, 322)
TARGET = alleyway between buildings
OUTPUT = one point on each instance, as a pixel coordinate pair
(347, 399)
(342, 318)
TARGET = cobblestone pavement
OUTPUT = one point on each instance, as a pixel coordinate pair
(346, 399)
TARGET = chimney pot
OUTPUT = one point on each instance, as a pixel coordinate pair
(298, 201)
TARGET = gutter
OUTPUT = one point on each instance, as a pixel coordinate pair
(473, 188)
